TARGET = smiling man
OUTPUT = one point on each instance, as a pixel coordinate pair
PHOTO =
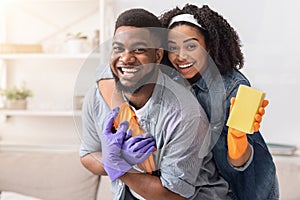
(134, 58)
(164, 109)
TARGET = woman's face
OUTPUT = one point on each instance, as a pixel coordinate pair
(187, 50)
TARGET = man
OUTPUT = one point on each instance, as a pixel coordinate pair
(168, 111)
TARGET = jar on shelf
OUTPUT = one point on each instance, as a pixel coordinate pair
(76, 43)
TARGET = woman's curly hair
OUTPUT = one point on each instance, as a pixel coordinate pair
(220, 38)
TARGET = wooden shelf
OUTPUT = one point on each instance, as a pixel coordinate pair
(48, 56)
(41, 113)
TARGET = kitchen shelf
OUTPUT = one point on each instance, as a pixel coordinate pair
(40, 113)
(48, 56)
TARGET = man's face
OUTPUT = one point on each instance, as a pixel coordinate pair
(134, 57)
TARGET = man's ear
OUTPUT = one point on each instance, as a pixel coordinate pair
(159, 55)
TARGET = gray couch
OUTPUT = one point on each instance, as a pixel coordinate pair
(57, 174)
(50, 174)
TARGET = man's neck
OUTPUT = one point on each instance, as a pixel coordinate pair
(140, 98)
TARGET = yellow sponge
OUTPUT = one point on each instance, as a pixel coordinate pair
(247, 102)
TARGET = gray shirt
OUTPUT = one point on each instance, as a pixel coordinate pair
(180, 127)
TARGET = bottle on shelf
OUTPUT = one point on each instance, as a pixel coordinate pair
(96, 40)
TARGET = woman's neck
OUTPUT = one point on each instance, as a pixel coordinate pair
(195, 78)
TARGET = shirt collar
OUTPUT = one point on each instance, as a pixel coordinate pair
(155, 98)
(203, 83)
(210, 80)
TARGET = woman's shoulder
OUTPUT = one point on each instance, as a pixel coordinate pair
(235, 77)
(232, 79)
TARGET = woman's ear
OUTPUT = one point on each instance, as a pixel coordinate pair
(159, 55)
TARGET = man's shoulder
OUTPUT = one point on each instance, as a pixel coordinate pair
(180, 97)
(91, 93)
(175, 86)
(103, 72)
(178, 89)
(91, 97)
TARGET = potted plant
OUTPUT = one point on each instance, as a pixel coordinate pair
(76, 42)
(16, 97)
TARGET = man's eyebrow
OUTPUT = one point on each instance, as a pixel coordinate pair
(170, 41)
(117, 43)
(139, 44)
(132, 45)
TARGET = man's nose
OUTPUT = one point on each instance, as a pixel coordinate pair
(127, 57)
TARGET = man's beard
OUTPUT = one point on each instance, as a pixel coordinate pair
(137, 87)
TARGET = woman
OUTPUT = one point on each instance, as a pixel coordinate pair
(205, 50)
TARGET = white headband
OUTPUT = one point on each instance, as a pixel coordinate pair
(185, 18)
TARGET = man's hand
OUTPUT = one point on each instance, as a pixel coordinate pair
(112, 142)
(138, 148)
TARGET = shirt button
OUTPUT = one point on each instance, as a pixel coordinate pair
(120, 183)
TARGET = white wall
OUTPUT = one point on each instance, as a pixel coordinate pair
(269, 33)
(51, 80)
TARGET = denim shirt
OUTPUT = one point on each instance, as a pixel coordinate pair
(258, 180)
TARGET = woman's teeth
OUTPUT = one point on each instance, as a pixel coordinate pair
(185, 66)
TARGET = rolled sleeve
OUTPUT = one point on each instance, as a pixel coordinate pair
(245, 166)
(182, 184)
(181, 165)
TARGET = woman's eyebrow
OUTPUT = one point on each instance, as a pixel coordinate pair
(187, 40)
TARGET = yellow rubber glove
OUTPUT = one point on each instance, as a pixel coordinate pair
(237, 140)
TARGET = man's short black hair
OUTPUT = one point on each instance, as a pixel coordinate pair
(141, 18)
(137, 17)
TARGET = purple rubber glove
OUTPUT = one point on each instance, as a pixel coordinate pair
(138, 148)
(112, 161)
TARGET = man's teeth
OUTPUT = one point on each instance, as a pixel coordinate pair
(185, 66)
(129, 70)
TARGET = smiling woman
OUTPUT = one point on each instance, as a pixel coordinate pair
(206, 50)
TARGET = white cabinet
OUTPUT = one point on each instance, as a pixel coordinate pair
(52, 74)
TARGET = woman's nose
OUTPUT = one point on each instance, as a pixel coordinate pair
(182, 55)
